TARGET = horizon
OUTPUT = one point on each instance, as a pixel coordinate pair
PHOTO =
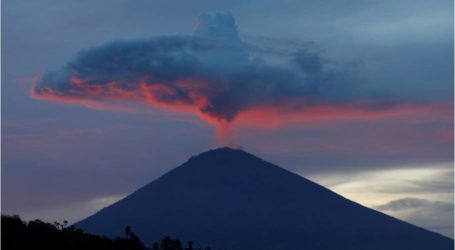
(100, 98)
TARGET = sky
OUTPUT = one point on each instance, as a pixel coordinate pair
(101, 97)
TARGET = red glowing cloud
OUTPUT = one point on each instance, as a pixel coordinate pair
(275, 116)
(112, 95)
(213, 75)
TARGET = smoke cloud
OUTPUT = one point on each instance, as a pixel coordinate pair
(215, 75)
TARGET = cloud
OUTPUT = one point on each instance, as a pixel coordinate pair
(435, 182)
(401, 192)
(434, 215)
(215, 75)
(72, 211)
(410, 203)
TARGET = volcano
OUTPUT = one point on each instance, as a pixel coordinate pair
(230, 199)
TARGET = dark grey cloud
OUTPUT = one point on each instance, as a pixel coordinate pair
(411, 203)
(212, 71)
(434, 215)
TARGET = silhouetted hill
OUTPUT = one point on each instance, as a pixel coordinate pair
(229, 198)
(36, 234)
(20, 235)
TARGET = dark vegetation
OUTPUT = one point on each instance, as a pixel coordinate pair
(36, 234)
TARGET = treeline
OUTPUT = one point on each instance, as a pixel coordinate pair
(36, 234)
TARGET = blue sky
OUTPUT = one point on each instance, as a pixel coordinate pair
(64, 161)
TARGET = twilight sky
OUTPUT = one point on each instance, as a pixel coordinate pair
(102, 97)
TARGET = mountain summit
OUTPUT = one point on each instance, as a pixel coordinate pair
(228, 198)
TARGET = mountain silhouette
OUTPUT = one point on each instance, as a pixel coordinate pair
(228, 198)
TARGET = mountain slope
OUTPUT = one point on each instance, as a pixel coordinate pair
(231, 199)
